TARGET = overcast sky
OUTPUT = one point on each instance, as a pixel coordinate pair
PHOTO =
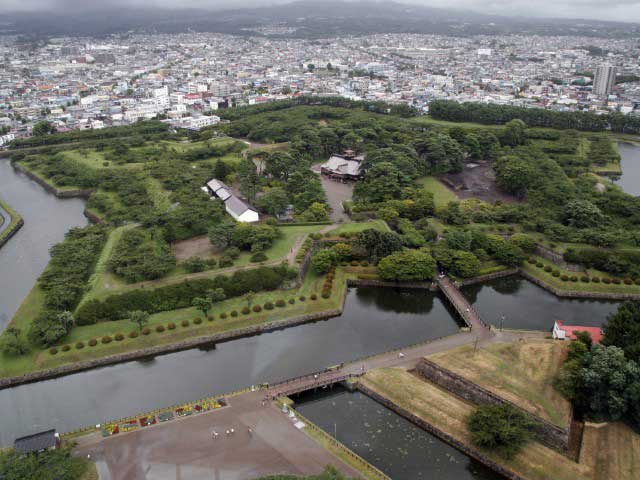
(623, 10)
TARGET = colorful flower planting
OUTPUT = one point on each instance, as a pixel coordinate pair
(146, 421)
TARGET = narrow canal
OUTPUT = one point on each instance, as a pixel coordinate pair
(47, 218)
(386, 440)
(630, 163)
(524, 305)
(375, 320)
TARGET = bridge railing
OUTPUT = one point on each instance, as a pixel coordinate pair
(465, 311)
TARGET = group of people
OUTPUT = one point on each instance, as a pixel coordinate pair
(229, 431)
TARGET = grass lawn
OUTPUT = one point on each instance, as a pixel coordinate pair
(441, 194)
(448, 413)
(578, 286)
(428, 120)
(94, 159)
(39, 359)
(380, 225)
(102, 280)
(520, 372)
(613, 450)
(108, 284)
(159, 196)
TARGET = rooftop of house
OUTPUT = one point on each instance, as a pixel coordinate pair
(36, 442)
(571, 330)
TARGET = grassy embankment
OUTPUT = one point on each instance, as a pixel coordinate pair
(13, 221)
(521, 373)
(448, 413)
(577, 286)
(441, 194)
(612, 450)
(39, 359)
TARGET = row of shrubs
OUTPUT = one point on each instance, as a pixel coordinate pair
(328, 283)
(583, 278)
(118, 337)
(180, 295)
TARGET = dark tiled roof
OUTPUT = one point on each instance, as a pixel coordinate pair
(236, 205)
(35, 442)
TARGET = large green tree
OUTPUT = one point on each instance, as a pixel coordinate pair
(407, 266)
(502, 428)
(623, 329)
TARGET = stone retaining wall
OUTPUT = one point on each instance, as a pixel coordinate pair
(163, 349)
(545, 432)
(472, 452)
(488, 277)
(557, 258)
(568, 294)
(359, 282)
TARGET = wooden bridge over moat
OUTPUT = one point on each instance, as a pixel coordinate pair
(466, 311)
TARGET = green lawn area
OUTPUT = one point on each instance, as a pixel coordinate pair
(522, 373)
(105, 283)
(448, 413)
(428, 120)
(579, 286)
(159, 196)
(380, 225)
(39, 359)
(441, 194)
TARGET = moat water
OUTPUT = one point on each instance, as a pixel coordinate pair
(46, 220)
(526, 306)
(629, 181)
(375, 320)
(386, 440)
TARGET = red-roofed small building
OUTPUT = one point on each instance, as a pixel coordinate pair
(568, 332)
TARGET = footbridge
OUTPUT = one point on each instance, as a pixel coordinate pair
(466, 311)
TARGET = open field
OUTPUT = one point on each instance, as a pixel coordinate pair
(448, 413)
(613, 451)
(519, 372)
(441, 194)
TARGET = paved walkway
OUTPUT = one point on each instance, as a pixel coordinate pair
(186, 449)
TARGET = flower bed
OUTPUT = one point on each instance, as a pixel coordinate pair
(165, 416)
(146, 421)
(128, 426)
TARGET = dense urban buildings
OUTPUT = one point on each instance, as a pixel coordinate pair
(80, 83)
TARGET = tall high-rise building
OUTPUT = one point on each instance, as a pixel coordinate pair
(604, 80)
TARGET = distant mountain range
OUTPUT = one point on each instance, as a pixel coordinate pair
(303, 19)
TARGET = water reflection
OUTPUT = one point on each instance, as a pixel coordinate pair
(629, 181)
(112, 392)
(394, 445)
(25, 256)
(525, 305)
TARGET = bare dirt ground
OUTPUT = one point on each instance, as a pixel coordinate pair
(196, 246)
(185, 449)
(337, 192)
(477, 182)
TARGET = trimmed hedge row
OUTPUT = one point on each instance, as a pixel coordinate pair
(181, 295)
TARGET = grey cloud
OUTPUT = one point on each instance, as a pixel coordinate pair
(621, 10)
